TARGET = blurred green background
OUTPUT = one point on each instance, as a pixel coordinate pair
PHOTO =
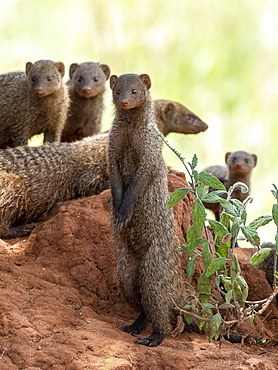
(218, 58)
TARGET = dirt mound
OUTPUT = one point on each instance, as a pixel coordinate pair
(60, 306)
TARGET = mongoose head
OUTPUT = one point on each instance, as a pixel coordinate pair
(45, 76)
(88, 79)
(130, 90)
(240, 162)
(175, 117)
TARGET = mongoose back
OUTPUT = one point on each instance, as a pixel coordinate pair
(32, 103)
(143, 229)
(34, 179)
(171, 116)
(239, 168)
(86, 88)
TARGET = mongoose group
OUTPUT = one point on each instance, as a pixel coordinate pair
(78, 160)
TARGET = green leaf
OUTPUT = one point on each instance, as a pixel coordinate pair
(260, 221)
(219, 229)
(235, 267)
(215, 265)
(215, 326)
(260, 256)
(210, 180)
(190, 248)
(236, 226)
(211, 198)
(206, 256)
(195, 175)
(188, 318)
(202, 190)
(228, 296)
(238, 205)
(191, 266)
(176, 196)
(228, 207)
(241, 290)
(204, 288)
(275, 213)
(251, 235)
(194, 162)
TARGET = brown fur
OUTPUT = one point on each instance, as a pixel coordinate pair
(34, 179)
(175, 117)
(32, 103)
(86, 88)
(143, 230)
(239, 168)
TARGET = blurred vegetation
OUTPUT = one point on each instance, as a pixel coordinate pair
(219, 59)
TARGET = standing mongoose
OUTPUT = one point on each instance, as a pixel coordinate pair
(86, 87)
(239, 168)
(171, 116)
(32, 103)
(143, 229)
(34, 179)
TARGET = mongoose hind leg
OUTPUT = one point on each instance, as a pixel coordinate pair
(152, 341)
(139, 324)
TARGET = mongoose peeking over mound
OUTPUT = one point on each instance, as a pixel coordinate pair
(175, 117)
(143, 229)
(239, 168)
(32, 103)
(86, 87)
(34, 179)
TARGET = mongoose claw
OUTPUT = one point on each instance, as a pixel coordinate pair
(152, 341)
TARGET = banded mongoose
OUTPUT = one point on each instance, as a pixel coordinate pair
(86, 88)
(239, 167)
(32, 171)
(32, 103)
(171, 116)
(143, 229)
(34, 179)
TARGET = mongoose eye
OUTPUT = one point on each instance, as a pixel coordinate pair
(134, 91)
(118, 92)
(234, 160)
(189, 118)
(33, 79)
(49, 78)
(95, 79)
(79, 79)
(246, 160)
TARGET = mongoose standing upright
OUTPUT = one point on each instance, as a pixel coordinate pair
(86, 88)
(143, 229)
(32, 103)
(34, 179)
(239, 168)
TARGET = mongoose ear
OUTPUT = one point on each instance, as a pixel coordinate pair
(113, 80)
(227, 156)
(146, 79)
(168, 110)
(61, 68)
(255, 159)
(28, 67)
(73, 68)
(106, 70)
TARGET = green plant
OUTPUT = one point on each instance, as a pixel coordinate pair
(221, 290)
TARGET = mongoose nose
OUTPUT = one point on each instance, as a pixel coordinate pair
(38, 91)
(86, 90)
(239, 165)
(124, 103)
